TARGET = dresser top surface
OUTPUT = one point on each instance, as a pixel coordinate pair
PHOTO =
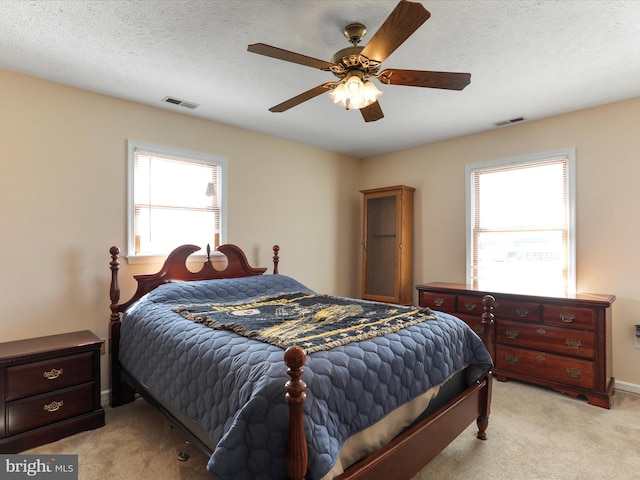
(596, 298)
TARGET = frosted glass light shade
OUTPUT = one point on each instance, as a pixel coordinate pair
(353, 93)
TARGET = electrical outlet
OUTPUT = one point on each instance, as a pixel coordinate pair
(103, 347)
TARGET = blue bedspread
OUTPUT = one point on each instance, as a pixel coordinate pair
(234, 386)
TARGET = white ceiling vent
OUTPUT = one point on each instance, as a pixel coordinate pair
(509, 122)
(181, 103)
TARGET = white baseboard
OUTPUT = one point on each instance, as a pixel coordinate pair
(104, 397)
(628, 387)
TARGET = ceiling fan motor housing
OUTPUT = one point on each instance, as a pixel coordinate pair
(349, 59)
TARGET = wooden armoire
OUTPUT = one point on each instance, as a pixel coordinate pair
(387, 244)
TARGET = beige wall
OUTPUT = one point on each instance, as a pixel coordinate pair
(63, 196)
(608, 226)
(63, 202)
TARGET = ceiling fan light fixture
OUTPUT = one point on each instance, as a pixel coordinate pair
(353, 93)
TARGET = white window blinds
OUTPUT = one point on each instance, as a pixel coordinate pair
(521, 231)
(176, 201)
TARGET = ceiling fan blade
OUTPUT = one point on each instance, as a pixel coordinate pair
(303, 97)
(372, 113)
(405, 19)
(287, 56)
(423, 78)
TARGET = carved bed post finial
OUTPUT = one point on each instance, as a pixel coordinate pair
(276, 259)
(114, 291)
(297, 454)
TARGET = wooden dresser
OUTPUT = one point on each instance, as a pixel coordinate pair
(562, 342)
(49, 389)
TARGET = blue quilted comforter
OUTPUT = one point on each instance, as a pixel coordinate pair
(234, 386)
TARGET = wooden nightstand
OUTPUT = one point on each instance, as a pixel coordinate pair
(49, 389)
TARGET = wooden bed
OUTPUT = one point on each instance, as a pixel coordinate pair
(402, 458)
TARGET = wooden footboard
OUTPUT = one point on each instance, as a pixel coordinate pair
(409, 452)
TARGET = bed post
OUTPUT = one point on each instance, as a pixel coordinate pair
(487, 337)
(276, 259)
(119, 391)
(297, 454)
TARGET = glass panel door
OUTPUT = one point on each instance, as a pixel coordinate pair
(381, 245)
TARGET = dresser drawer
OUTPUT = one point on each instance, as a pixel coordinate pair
(555, 368)
(466, 304)
(438, 301)
(522, 311)
(48, 375)
(570, 317)
(474, 321)
(545, 338)
(34, 412)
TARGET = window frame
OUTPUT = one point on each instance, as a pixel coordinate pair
(180, 154)
(570, 155)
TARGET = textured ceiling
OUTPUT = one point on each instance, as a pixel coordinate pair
(531, 58)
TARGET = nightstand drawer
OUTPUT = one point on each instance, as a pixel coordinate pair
(33, 412)
(48, 375)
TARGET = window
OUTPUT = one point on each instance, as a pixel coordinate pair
(175, 197)
(521, 223)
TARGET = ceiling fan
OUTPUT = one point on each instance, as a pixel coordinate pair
(355, 65)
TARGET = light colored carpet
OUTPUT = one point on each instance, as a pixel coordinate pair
(534, 434)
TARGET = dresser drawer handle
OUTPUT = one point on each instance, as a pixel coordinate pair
(470, 306)
(52, 374)
(573, 372)
(567, 317)
(54, 406)
(575, 344)
(541, 331)
(541, 358)
(512, 334)
(511, 359)
(522, 312)
(479, 329)
(438, 302)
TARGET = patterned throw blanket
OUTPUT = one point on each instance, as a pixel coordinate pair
(315, 322)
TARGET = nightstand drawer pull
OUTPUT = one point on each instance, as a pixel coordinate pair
(54, 406)
(522, 312)
(541, 358)
(438, 302)
(541, 331)
(470, 306)
(511, 334)
(511, 359)
(52, 374)
(567, 317)
(575, 344)
(573, 372)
